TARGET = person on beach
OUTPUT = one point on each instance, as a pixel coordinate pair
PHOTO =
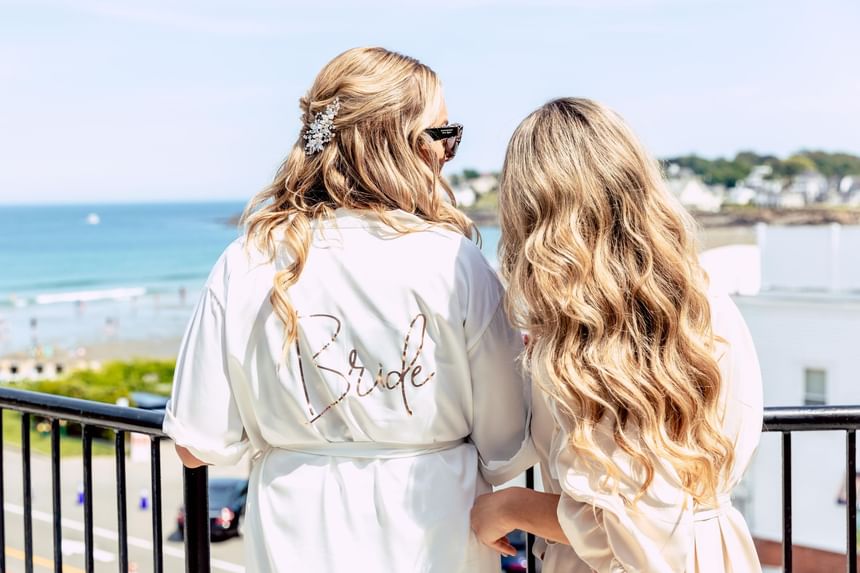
(355, 344)
(648, 396)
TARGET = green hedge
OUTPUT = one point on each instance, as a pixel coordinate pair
(112, 381)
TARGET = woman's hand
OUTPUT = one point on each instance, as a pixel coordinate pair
(494, 515)
(491, 522)
(188, 459)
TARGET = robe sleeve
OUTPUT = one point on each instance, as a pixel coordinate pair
(202, 415)
(501, 402)
(608, 532)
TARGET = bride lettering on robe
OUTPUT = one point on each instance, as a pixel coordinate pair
(353, 372)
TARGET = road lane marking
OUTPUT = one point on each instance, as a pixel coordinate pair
(73, 547)
(111, 535)
(40, 561)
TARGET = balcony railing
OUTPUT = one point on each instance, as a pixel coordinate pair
(818, 419)
(121, 420)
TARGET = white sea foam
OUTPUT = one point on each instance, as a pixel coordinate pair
(90, 295)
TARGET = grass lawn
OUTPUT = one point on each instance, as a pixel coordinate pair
(41, 441)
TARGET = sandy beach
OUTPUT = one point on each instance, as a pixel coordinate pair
(43, 341)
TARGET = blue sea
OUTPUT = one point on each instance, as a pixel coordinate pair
(78, 274)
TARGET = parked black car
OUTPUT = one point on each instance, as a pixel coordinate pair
(226, 508)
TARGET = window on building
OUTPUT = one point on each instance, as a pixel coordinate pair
(815, 387)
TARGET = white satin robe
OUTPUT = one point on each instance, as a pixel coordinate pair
(397, 406)
(665, 533)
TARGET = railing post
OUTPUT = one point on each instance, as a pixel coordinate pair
(56, 493)
(196, 493)
(89, 524)
(531, 562)
(28, 493)
(155, 468)
(787, 543)
(2, 501)
(121, 501)
(851, 499)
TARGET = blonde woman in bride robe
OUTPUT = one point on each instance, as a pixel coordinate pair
(355, 343)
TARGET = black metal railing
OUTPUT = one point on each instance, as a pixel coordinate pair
(95, 415)
(786, 421)
(817, 419)
(121, 420)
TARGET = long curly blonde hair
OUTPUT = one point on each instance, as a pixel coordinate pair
(379, 160)
(603, 272)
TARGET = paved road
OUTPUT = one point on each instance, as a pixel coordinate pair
(227, 556)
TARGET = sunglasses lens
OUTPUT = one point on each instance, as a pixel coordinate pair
(451, 145)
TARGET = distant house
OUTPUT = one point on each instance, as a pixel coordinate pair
(464, 195)
(759, 176)
(791, 200)
(759, 179)
(832, 199)
(849, 184)
(484, 184)
(852, 198)
(694, 194)
(765, 198)
(810, 184)
(741, 195)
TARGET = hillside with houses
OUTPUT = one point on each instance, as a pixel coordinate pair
(806, 188)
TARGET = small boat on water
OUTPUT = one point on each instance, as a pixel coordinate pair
(93, 219)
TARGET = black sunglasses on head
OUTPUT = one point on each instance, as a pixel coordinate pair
(452, 134)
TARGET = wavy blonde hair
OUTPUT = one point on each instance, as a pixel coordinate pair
(603, 272)
(379, 160)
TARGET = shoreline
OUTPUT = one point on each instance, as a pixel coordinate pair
(152, 325)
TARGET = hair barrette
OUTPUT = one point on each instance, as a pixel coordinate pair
(321, 130)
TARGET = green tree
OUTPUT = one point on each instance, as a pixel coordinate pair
(797, 164)
(834, 164)
(729, 171)
(469, 174)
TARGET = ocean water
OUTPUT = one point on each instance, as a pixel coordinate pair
(80, 274)
(85, 251)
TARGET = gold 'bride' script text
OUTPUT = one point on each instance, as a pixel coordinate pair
(388, 380)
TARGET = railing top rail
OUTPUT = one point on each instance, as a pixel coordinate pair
(811, 418)
(776, 419)
(83, 411)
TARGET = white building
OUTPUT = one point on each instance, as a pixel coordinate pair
(799, 291)
(759, 179)
(810, 184)
(741, 195)
(694, 194)
(464, 195)
(484, 184)
(849, 183)
(792, 200)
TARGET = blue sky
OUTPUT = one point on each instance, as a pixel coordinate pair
(118, 100)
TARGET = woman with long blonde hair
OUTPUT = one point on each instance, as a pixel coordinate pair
(355, 344)
(648, 399)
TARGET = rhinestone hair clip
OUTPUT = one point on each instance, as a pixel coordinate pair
(321, 129)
